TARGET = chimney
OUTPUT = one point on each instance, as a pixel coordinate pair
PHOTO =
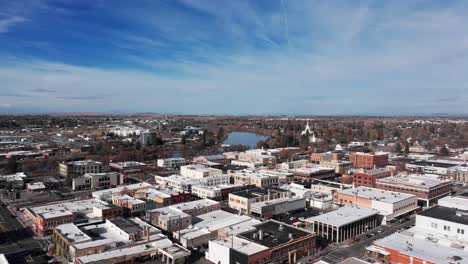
(269, 194)
(291, 236)
(260, 234)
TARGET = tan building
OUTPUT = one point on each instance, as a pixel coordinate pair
(130, 205)
(259, 179)
(340, 166)
(242, 201)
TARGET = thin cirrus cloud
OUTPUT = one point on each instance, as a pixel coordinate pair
(7, 23)
(267, 57)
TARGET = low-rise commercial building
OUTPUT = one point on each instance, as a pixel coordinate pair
(458, 173)
(13, 181)
(130, 205)
(106, 195)
(205, 227)
(313, 172)
(439, 167)
(369, 160)
(440, 236)
(242, 201)
(344, 223)
(259, 179)
(128, 167)
(391, 205)
(91, 181)
(285, 243)
(35, 187)
(78, 168)
(325, 156)
(234, 249)
(171, 163)
(197, 207)
(47, 216)
(199, 171)
(169, 219)
(367, 178)
(179, 182)
(163, 197)
(340, 166)
(268, 209)
(428, 188)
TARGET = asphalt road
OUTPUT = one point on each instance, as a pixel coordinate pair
(335, 254)
(16, 241)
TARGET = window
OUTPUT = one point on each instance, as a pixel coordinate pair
(434, 225)
(460, 231)
(446, 228)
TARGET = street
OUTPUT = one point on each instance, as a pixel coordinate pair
(337, 253)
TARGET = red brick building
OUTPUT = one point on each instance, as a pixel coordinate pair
(368, 160)
(367, 177)
(428, 188)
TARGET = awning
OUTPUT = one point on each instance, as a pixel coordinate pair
(377, 250)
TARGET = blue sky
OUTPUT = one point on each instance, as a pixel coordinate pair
(234, 57)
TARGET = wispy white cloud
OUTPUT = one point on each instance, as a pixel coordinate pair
(8, 22)
(346, 60)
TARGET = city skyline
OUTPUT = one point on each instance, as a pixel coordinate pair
(234, 57)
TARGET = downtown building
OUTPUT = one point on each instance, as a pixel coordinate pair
(391, 205)
(428, 188)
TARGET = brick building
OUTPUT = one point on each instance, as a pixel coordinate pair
(369, 160)
(367, 178)
(428, 188)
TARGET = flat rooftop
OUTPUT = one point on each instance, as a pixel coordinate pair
(194, 204)
(109, 256)
(201, 168)
(255, 174)
(256, 192)
(178, 178)
(130, 187)
(433, 163)
(278, 201)
(130, 199)
(241, 227)
(377, 194)
(343, 216)
(430, 251)
(125, 164)
(274, 233)
(448, 214)
(67, 208)
(73, 233)
(418, 180)
(459, 202)
(241, 245)
(168, 212)
(84, 162)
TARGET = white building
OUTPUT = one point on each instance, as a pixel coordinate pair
(220, 250)
(440, 236)
(186, 183)
(78, 168)
(207, 227)
(171, 163)
(15, 181)
(391, 205)
(125, 131)
(270, 208)
(459, 202)
(36, 187)
(344, 223)
(91, 181)
(108, 193)
(257, 178)
(199, 171)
